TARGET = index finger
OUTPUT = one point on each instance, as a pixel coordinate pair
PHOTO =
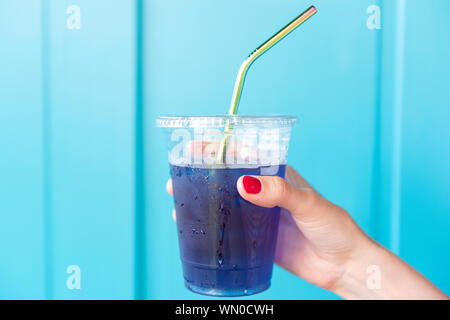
(169, 187)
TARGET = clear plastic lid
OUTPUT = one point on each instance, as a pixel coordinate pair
(218, 121)
(215, 141)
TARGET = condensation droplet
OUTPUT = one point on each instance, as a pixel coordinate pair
(220, 259)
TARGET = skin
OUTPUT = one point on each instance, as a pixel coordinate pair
(321, 243)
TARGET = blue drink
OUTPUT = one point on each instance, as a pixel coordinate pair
(227, 244)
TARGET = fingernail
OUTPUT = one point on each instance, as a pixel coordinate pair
(251, 185)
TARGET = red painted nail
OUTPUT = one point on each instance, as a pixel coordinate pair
(251, 185)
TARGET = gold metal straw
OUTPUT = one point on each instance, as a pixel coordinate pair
(240, 79)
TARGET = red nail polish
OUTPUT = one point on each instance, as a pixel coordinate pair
(251, 185)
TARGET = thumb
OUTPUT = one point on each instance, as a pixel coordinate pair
(271, 191)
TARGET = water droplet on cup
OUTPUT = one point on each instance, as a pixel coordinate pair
(220, 259)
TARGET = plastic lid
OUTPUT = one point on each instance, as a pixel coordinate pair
(223, 120)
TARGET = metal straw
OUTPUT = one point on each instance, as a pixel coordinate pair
(240, 79)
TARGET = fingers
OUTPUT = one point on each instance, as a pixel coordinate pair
(209, 149)
(268, 191)
(169, 187)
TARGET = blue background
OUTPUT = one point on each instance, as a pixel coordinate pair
(83, 168)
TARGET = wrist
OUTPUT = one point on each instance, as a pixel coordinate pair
(373, 272)
(361, 277)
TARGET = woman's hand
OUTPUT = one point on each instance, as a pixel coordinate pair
(316, 239)
(321, 243)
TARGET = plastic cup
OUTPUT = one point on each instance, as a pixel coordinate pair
(227, 244)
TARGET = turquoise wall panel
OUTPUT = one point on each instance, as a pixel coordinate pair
(425, 142)
(412, 211)
(92, 103)
(22, 249)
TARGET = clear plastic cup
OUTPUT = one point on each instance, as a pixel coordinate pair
(227, 245)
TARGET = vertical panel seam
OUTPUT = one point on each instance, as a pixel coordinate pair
(375, 220)
(139, 228)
